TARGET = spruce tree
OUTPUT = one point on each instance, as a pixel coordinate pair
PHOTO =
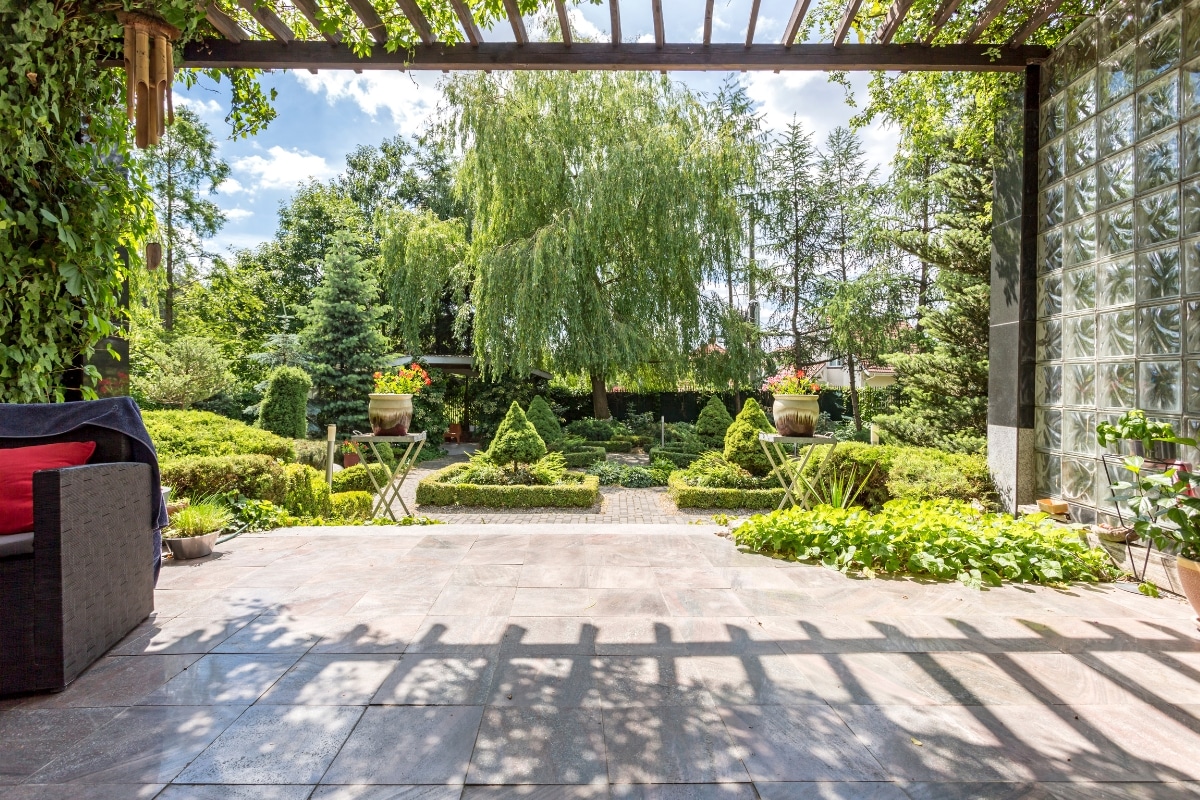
(714, 420)
(343, 337)
(542, 417)
(517, 441)
(741, 440)
(285, 405)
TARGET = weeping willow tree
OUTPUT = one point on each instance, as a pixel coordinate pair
(599, 204)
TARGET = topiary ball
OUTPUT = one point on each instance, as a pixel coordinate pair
(517, 441)
(542, 418)
(741, 440)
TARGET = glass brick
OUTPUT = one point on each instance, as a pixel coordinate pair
(1047, 428)
(1054, 118)
(1049, 474)
(1081, 146)
(1079, 384)
(1189, 91)
(1081, 99)
(1160, 387)
(1191, 402)
(1081, 194)
(1079, 289)
(1048, 384)
(1192, 330)
(1190, 148)
(1151, 11)
(1118, 27)
(1117, 128)
(1050, 295)
(1115, 334)
(1191, 31)
(1050, 250)
(1159, 274)
(1049, 340)
(1079, 245)
(1157, 161)
(1159, 330)
(1115, 231)
(1079, 432)
(1158, 50)
(1156, 218)
(1051, 206)
(1117, 385)
(1118, 75)
(1115, 179)
(1115, 282)
(1079, 336)
(1190, 195)
(1191, 266)
(1078, 479)
(1078, 50)
(1157, 107)
(1053, 163)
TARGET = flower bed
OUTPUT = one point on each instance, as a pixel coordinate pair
(575, 491)
(687, 496)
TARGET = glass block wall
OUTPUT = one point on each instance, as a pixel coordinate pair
(1118, 287)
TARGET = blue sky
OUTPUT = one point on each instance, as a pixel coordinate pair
(323, 117)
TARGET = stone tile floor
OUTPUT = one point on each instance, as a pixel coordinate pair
(473, 662)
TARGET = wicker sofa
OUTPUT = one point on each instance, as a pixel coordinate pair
(88, 580)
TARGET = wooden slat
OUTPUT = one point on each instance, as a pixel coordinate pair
(614, 13)
(309, 9)
(417, 17)
(893, 20)
(753, 22)
(1036, 20)
(266, 16)
(514, 18)
(660, 34)
(225, 24)
(222, 54)
(370, 19)
(467, 20)
(990, 12)
(794, 22)
(708, 12)
(846, 21)
(564, 22)
(944, 13)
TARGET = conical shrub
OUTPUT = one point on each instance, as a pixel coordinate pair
(541, 416)
(517, 441)
(741, 440)
(714, 420)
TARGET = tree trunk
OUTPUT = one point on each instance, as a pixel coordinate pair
(850, 370)
(169, 294)
(599, 397)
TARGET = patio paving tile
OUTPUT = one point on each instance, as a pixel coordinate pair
(231, 792)
(531, 791)
(799, 743)
(632, 636)
(275, 745)
(486, 575)
(458, 635)
(978, 791)
(684, 791)
(275, 634)
(34, 737)
(546, 682)
(427, 679)
(626, 603)
(180, 635)
(641, 681)
(551, 602)
(490, 601)
(387, 793)
(331, 680)
(116, 681)
(704, 603)
(351, 634)
(541, 745)
(535, 636)
(620, 578)
(95, 791)
(755, 679)
(228, 679)
(549, 576)
(436, 743)
(675, 744)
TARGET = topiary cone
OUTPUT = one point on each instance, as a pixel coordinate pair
(741, 440)
(542, 418)
(517, 441)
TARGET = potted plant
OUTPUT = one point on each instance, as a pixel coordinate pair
(1154, 439)
(194, 529)
(391, 408)
(350, 456)
(796, 408)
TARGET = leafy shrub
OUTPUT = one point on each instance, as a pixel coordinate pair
(356, 479)
(679, 458)
(352, 506)
(714, 420)
(201, 433)
(312, 452)
(542, 418)
(715, 471)
(947, 539)
(255, 476)
(855, 458)
(613, 473)
(593, 430)
(306, 493)
(285, 404)
(642, 425)
(439, 489)
(741, 440)
(517, 441)
(483, 471)
(661, 470)
(262, 515)
(686, 495)
(581, 456)
(638, 478)
(198, 519)
(609, 472)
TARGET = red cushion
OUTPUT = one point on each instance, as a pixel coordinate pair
(17, 466)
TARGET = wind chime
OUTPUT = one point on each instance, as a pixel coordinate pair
(149, 72)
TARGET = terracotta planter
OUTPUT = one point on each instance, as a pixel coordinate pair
(796, 414)
(1189, 577)
(350, 459)
(390, 414)
(192, 546)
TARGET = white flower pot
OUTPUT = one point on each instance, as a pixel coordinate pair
(390, 414)
(796, 414)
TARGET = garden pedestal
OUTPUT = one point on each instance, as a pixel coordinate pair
(390, 491)
(789, 468)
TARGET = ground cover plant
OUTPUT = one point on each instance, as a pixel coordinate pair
(614, 473)
(945, 539)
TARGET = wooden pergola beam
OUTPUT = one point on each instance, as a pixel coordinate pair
(753, 23)
(708, 16)
(564, 22)
(794, 22)
(417, 18)
(1036, 20)
(660, 35)
(944, 13)
(223, 54)
(266, 16)
(226, 25)
(467, 20)
(990, 12)
(370, 19)
(843, 26)
(514, 19)
(309, 9)
(892, 21)
(614, 13)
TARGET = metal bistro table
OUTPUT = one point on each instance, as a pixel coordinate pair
(390, 490)
(788, 469)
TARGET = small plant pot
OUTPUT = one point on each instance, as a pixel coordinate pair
(192, 546)
(350, 459)
(390, 414)
(1189, 578)
(796, 414)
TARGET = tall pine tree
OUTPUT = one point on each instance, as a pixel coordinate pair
(343, 336)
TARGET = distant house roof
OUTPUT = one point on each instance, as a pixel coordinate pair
(458, 365)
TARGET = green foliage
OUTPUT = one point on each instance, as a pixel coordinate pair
(678, 458)
(257, 477)
(285, 405)
(687, 495)
(439, 489)
(350, 506)
(581, 456)
(714, 470)
(608, 472)
(741, 440)
(517, 441)
(421, 259)
(714, 421)
(198, 519)
(190, 369)
(948, 539)
(483, 471)
(1165, 504)
(260, 515)
(858, 459)
(612, 445)
(344, 337)
(306, 494)
(638, 478)
(593, 430)
(660, 471)
(356, 479)
(542, 417)
(201, 433)
(429, 414)
(311, 452)
(1133, 426)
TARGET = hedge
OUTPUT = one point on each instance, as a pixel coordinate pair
(686, 496)
(306, 493)
(258, 477)
(201, 433)
(351, 506)
(612, 445)
(356, 479)
(584, 456)
(582, 491)
(680, 458)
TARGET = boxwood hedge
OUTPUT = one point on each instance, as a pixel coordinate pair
(679, 457)
(612, 445)
(584, 456)
(687, 496)
(258, 477)
(577, 491)
(201, 433)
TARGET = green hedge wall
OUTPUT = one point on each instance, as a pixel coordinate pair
(258, 477)
(306, 493)
(351, 506)
(584, 456)
(356, 479)
(612, 445)
(581, 491)
(680, 458)
(201, 433)
(686, 496)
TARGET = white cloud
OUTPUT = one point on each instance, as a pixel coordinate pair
(237, 214)
(283, 169)
(583, 28)
(205, 108)
(646, 38)
(230, 186)
(410, 99)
